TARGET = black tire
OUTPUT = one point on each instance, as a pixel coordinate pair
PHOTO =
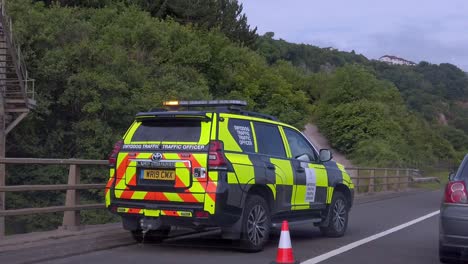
(338, 216)
(445, 260)
(152, 236)
(446, 256)
(256, 224)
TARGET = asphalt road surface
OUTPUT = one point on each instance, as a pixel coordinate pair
(400, 229)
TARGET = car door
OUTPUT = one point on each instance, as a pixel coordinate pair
(272, 154)
(310, 176)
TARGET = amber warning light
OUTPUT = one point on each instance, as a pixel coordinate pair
(171, 103)
(206, 103)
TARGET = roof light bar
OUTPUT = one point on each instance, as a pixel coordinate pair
(171, 103)
(206, 103)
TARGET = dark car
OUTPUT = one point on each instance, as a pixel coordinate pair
(453, 235)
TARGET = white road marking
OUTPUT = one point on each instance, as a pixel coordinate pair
(367, 239)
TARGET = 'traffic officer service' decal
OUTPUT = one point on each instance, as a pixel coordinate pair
(243, 132)
(311, 183)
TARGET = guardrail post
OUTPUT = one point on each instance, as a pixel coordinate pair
(371, 181)
(71, 219)
(2, 166)
(407, 179)
(2, 200)
(385, 180)
(357, 180)
(398, 179)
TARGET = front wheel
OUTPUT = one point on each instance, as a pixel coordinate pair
(338, 216)
(256, 224)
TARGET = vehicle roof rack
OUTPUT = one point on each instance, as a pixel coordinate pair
(157, 110)
(249, 113)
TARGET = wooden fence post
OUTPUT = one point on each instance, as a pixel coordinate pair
(357, 180)
(371, 181)
(71, 219)
(398, 179)
(407, 179)
(385, 181)
(2, 146)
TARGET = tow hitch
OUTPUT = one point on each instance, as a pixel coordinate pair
(147, 224)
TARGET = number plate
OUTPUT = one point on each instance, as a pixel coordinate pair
(161, 175)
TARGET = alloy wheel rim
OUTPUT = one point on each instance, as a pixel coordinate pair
(256, 225)
(339, 215)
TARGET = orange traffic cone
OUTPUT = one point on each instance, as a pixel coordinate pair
(285, 252)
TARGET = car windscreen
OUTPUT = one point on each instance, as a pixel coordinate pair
(182, 130)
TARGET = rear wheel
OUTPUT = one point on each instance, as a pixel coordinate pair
(256, 224)
(338, 216)
(152, 236)
(446, 255)
(443, 258)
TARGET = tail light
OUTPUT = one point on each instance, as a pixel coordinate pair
(115, 151)
(202, 214)
(215, 154)
(455, 192)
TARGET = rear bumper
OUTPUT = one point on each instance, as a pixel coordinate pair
(454, 226)
(175, 213)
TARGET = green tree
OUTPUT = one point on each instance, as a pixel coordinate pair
(225, 15)
(367, 119)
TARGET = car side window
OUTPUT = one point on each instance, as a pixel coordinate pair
(300, 147)
(241, 131)
(462, 173)
(269, 140)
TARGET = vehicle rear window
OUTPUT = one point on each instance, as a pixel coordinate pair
(463, 170)
(168, 130)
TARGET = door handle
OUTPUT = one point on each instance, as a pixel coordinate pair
(300, 170)
(270, 166)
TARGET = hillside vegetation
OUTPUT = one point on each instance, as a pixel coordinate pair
(436, 97)
(97, 63)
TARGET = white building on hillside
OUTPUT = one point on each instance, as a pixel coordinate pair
(395, 60)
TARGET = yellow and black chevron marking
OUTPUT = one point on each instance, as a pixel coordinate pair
(346, 178)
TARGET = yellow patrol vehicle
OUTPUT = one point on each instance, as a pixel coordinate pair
(203, 164)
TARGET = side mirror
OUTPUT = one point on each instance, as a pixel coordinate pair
(325, 155)
(451, 175)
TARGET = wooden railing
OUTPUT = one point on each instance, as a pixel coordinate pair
(369, 180)
(71, 218)
(365, 180)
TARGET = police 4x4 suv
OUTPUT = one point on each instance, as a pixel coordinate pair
(203, 164)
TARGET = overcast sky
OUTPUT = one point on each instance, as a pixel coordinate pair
(431, 30)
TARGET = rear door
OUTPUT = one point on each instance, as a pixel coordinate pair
(165, 159)
(278, 170)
